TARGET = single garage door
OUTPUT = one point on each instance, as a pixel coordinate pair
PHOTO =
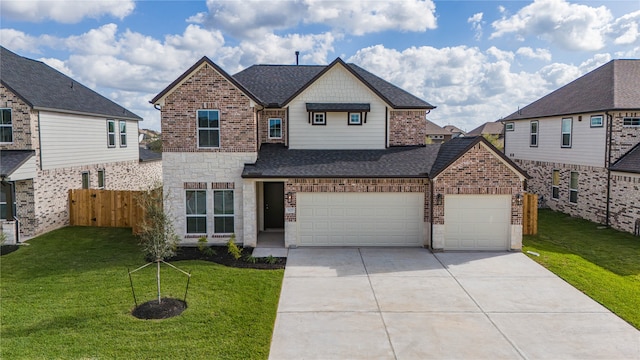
(360, 219)
(477, 222)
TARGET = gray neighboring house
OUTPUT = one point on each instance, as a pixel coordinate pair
(491, 128)
(455, 131)
(56, 134)
(437, 134)
(580, 145)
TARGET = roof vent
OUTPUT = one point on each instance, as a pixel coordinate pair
(297, 55)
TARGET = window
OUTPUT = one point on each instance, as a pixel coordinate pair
(7, 191)
(85, 180)
(123, 133)
(508, 126)
(275, 128)
(573, 188)
(596, 121)
(196, 211)
(208, 128)
(111, 133)
(6, 127)
(533, 141)
(223, 212)
(555, 184)
(631, 121)
(355, 118)
(319, 119)
(566, 132)
(101, 179)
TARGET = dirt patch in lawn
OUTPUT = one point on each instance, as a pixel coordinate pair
(220, 255)
(166, 308)
(8, 249)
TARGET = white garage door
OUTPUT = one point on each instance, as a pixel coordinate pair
(477, 222)
(360, 219)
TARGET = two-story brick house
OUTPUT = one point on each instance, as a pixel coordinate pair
(580, 145)
(56, 135)
(326, 155)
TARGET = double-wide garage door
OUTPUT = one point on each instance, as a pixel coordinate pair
(360, 219)
(477, 222)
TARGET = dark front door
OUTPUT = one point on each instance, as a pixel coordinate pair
(273, 205)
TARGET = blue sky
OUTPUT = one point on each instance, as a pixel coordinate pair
(477, 61)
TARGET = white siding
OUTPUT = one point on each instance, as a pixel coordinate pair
(338, 85)
(587, 143)
(26, 171)
(74, 140)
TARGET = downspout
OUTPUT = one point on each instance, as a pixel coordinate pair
(287, 137)
(258, 128)
(431, 187)
(610, 139)
(386, 127)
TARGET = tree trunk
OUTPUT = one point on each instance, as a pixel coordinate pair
(158, 279)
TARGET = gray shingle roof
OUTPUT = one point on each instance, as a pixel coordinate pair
(149, 155)
(629, 162)
(276, 161)
(11, 160)
(488, 128)
(43, 87)
(614, 85)
(435, 129)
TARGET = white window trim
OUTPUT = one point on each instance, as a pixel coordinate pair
(597, 117)
(349, 122)
(269, 128)
(531, 144)
(88, 174)
(631, 119)
(324, 118)
(571, 190)
(111, 133)
(555, 186)
(187, 215)
(198, 128)
(8, 125)
(563, 133)
(121, 133)
(224, 215)
(508, 126)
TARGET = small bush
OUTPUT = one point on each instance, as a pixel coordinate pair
(250, 259)
(204, 247)
(233, 249)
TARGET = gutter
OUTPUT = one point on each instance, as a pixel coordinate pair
(610, 139)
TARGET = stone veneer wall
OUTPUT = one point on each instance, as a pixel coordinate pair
(207, 89)
(263, 126)
(592, 188)
(478, 172)
(407, 127)
(25, 207)
(625, 201)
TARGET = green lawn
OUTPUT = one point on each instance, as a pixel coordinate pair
(67, 295)
(602, 263)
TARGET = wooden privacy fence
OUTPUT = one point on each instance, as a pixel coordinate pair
(529, 214)
(109, 208)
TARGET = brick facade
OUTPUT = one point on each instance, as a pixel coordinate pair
(625, 201)
(407, 127)
(263, 125)
(23, 121)
(207, 89)
(623, 138)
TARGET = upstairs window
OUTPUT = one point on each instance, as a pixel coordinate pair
(508, 126)
(111, 133)
(208, 128)
(319, 118)
(631, 121)
(597, 121)
(555, 184)
(355, 118)
(567, 123)
(275, 128)
(85, 180)
(573, 188)
(196, 211)
(533, 139)
(123, 133)
(6, 126)
(223, 213)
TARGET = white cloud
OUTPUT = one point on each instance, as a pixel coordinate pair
(625, 29)
(67, 12)
(571, 26)
(476, 24)
(538, 54)
(254, 18)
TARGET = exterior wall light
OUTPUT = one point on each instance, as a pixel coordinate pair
(438, 199)
(518, 199)
(289, 197)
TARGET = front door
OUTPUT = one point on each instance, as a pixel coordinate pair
(273, 205)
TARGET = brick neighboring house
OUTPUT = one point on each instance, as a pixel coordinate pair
(326, 156)
(580, 145)
(56, 135)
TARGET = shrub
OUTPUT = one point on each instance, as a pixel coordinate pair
(233, 249)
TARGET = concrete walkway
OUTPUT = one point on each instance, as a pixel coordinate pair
(372, 303)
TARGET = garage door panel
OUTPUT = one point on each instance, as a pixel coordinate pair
(477, 222)
(360, 219)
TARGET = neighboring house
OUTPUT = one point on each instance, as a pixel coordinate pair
(455, 131)
(56, 135)
(580, 145)
(145, 136)
(491, 130)
(326, 156)
(436, 134)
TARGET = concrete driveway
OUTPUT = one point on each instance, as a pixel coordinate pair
(372, 303)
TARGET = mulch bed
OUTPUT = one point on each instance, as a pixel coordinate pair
(222, 256)
(168, 307)
(8, 249)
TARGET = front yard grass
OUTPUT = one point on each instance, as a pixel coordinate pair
(67, 295)
(602, 263)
